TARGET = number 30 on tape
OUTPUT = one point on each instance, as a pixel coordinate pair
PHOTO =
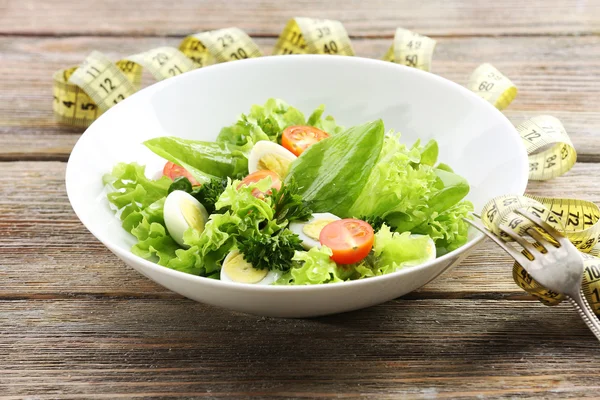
(82, 93)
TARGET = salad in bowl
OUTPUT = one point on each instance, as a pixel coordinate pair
(281, 199)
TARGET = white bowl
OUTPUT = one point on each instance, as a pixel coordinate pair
(474, 138)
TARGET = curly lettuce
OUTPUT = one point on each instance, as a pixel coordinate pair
(447, 228)
(394, 251)
(140, 202)
(391, 252)
(314, 267)
(413, 195)
(268, 121)
(129, 186)
(326, 124)
(360, 172)
(400, 183)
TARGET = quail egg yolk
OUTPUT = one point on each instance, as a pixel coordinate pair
(313, 229)
(191, 215)
(240, 270)
(275, 163)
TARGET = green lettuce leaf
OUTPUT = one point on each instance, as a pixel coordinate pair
(244, 132)
(447, 190)
(412, 196)
(244, 216)
(429, 153)
(140, 202)
(268, 121)
(326, 124)
(154, 242)
(444, 167)
(243, 204)
(391, 252)
(394, 251)
(398, 183)
(204, 160)
(330, 173)
(275, 116)
(130, 187)
(209, 248)
(447, 228)
(314, 267)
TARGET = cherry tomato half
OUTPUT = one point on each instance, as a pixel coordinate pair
(258, 176)
(298, 138)
(174, 171)
(350, 240)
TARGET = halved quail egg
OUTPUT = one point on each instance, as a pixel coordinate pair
(310, 230)
(181, 212)
(236, 269)
(266, 155)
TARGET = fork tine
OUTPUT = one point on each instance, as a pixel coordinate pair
(521, 240)
(520, 258)
(540, 239)
(556, 235)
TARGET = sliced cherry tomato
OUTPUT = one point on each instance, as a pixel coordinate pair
(298, 138)
(258, 176)
(350, 240)
(174, 171)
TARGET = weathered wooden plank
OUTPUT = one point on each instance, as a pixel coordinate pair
(457, 17)
(175, 347)
(555, 76)
(45, 252)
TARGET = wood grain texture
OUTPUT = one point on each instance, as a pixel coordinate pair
(438, 17)
(45, 252)
(75, 322)
(556, 76)
(178, 348)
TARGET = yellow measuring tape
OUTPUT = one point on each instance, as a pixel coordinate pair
(411, 49)
(492, 85)
(551, 154)
(313, 36)
(82, 93)
(576, 219)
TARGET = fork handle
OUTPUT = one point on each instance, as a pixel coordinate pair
(585, 312)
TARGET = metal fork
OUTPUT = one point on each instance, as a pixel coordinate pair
(559, 268)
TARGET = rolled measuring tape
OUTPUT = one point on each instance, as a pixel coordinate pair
(313, 36)
(578, 220)
(411, 49)
(82, 93)
(551, 153)
(492, 85)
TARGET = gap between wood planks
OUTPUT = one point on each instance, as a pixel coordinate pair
(412, 296)
(42, 260)
(555, 77)
(134, 35)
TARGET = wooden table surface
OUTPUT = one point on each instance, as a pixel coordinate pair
(75, 322)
